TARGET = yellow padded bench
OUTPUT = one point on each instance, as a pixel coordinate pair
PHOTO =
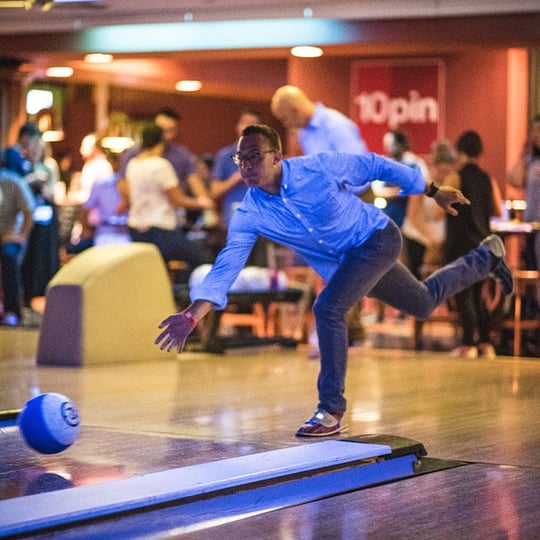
(105, 306)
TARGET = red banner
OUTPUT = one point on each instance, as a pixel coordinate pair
(394, 94)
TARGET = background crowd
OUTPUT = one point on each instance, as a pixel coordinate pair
(160, 192)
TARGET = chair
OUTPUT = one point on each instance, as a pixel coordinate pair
(291, 318)
(523, 280)
(176, 268)
(255, 318)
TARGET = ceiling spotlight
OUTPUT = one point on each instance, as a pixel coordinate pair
(98, 58)
(306, 52)
(188, 86)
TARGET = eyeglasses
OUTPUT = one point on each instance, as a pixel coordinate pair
(253, 158)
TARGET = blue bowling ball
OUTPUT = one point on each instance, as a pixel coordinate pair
(49, 423)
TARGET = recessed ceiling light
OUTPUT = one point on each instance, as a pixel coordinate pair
(98, 58)
(59, 71)
(307, 52)
(188, 86)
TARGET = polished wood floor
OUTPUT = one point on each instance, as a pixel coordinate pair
(156, 415)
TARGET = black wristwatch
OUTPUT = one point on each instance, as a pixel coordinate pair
(432, 190)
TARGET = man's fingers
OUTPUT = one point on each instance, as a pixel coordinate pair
(169, 342)
(166, 343)
(177, 329)
(165, 322)
(161, 336)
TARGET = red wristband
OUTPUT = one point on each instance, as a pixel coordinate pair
(189, 316)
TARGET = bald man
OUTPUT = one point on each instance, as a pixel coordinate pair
(320, 128)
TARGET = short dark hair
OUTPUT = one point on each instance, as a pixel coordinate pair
(401, 138)
(470, 144)
(169, 113)
(271, 135)
(151, 136)
(29, 130)
(207, 159)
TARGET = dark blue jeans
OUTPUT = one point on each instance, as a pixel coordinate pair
(11, 255)
(372, 269)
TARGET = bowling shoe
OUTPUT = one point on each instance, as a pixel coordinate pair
(322, 424)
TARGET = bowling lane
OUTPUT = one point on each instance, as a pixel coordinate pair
(102, 455)
(475, 501)
(141, 415)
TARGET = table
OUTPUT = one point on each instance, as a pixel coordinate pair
(514, 232)
(219, 344)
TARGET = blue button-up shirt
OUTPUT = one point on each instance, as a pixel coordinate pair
(316, 213)
(329, 130)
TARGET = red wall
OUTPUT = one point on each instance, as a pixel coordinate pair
(475, 90)
(476, 98)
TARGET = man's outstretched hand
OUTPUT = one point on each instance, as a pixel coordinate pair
(177, 329)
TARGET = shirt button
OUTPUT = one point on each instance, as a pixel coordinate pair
(298, 215)
(310, 229)
(320, 241)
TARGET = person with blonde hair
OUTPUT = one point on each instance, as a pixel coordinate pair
(424, 226)
(96, 166)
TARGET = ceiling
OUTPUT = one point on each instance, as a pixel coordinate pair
(189, 38)
(72, 15)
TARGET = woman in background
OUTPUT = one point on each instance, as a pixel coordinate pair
(464, 232)
(424, 227)
(154, 197)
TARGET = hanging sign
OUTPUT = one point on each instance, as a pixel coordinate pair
(398, 94)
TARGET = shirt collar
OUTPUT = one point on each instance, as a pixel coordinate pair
(316, 117)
